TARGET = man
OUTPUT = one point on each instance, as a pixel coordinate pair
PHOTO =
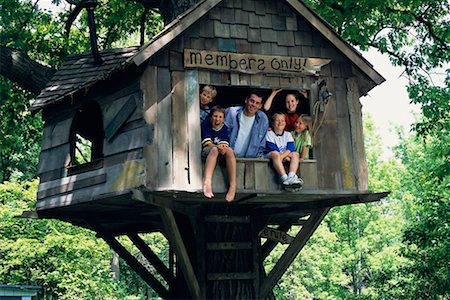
(247, 127)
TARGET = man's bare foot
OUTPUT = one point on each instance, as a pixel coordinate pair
(207, 189)
(231, 193)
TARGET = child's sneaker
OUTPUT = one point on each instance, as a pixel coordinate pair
(293, 183)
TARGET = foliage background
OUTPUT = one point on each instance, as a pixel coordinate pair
(396, 249)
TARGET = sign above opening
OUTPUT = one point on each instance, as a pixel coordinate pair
(252, 63)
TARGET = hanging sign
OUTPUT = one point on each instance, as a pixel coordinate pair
(276, 235)
(252, 63)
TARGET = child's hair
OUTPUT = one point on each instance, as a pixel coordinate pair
(217, 108)
(274, 116)
(211, 90)
(308, 122)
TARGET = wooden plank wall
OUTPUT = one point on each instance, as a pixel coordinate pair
(264, 28)
(123, 159)
(259, 175)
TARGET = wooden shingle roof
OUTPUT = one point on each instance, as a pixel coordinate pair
(80, 72)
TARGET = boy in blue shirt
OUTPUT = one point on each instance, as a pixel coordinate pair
(280, 148)
(215, 142)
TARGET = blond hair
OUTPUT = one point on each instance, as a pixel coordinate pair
(308, 122)
(210, 90)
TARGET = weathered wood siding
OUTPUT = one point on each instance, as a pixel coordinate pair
(123, 165)
(257, 27)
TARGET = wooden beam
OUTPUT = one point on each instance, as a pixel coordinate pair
(229, 246)
(120, 118)
(230, 276)
(152, 258)
(174, 236)
(164, 202)
(292, 251)
(130, 260)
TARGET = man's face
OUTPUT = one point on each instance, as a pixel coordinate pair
(252, 104)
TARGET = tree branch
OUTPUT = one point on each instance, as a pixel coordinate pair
(21, 69)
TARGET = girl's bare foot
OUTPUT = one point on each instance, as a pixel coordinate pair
(207, 189)
(231, 193)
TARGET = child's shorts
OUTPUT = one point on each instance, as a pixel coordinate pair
(206, 150)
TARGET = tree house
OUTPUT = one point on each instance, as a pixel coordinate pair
(121, 143)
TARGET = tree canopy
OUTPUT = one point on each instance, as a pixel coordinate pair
(398, 249)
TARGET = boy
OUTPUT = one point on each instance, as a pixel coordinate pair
(206, 97)
(280, 148)
(215, 142)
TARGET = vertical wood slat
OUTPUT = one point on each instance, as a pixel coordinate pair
(343, 129)
(165, 162)
(326, 140)
(249, 178)
(292, 251)
(175, 239)
(262, 174)
(149, 87)
(240, 176)
(357, 135)
(193, 126)
(180, 132)
(308, 172)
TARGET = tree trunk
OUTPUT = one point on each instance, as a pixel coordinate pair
(18, 67)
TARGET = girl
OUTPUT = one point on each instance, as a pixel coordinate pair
(292, 102)
(302, 136)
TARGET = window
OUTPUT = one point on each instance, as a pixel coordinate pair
(86, 139)
(233, 96)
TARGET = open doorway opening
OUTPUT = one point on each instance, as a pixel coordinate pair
(235, 96)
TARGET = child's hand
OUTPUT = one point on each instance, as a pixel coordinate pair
(287, 158)
(304, 93)
(276, 91)
(222, 148)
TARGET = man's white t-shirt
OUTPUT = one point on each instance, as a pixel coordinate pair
(243, 137)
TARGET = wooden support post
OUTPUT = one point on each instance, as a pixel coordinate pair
(292, 251)
(255, 227)
(152, 258)
(131, 261)
(174, 236)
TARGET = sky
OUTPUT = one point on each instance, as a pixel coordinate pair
(388, 103)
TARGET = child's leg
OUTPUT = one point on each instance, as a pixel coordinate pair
(295, 159)
(277, 162)
(211, 160)
(231, 169)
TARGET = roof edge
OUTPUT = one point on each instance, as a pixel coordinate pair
(173, 29)
(330, 34)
